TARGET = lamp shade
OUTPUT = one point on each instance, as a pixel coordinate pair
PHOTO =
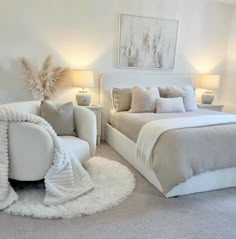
(209, 82)
(83, 79)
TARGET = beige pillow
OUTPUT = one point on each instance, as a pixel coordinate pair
(170, 105)
(162, 92)
(121, 99)
(61, 118)
(187, 93)
(144, 99)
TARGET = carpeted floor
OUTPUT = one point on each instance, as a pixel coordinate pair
(145, 214)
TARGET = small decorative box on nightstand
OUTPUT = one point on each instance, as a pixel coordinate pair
(97, 110)
(211, 107)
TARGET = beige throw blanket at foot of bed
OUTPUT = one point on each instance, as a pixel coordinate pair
(65, 180)
(175, 167)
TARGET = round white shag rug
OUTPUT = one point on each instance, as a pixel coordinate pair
(113, 181)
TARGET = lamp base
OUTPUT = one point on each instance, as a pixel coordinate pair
(207, 97)
(83, 99)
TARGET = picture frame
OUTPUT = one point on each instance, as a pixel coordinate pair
(147, 42)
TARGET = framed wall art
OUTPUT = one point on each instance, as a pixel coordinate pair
(147, 43)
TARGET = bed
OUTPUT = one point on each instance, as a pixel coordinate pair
(124, 140)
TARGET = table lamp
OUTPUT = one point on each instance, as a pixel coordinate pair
(209, 83)
(83, 79)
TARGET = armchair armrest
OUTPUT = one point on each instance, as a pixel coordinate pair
(86, 127)
(31, 151)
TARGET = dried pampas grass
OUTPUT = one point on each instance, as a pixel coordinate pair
(41, 83)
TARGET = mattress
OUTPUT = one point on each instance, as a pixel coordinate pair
(130, 124)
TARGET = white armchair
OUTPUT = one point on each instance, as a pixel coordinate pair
(31, 149)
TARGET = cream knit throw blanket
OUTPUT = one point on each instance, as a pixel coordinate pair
(65, 180)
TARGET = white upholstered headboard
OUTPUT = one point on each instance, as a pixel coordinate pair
(128, 80)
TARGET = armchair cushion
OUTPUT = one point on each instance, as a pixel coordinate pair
(61, 118)
(77, 146)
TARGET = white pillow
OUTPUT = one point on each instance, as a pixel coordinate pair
(170, 105)
(187, 93)
(144, 99)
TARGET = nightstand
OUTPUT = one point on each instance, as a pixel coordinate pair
(210, 107)
(97, 110)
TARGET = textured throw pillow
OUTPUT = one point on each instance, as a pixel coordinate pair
(162, 92)
(121, 99)
(144, 99)
(61, 118)
(187, 93)
(170, 105)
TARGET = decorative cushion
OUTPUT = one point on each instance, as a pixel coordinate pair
(170, 105)
(187, 93)
(61, 118)
(162, 92)
(121, 99)
(144, 99)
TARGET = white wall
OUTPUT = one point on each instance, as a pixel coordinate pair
(83, 34)
(228, 86)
